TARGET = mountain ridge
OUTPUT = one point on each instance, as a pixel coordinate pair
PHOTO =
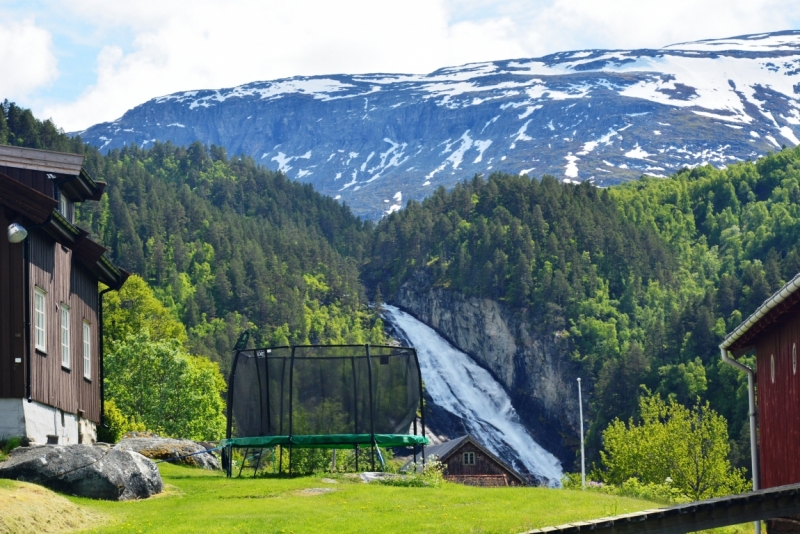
(376, 140)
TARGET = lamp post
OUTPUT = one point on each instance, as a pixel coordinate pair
(583, 461)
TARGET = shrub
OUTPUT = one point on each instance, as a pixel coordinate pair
(686, 445)
(8, 445)
(431, 475)
(664, 493)
(118, 425)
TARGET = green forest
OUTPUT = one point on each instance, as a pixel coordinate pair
(643, 279)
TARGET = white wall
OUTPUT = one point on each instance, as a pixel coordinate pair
(38, 421)
(12, 418)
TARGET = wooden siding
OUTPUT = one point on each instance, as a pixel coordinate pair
(12, 318)
(37, 180)
(484, 466)
(779, 405)
(64, 281)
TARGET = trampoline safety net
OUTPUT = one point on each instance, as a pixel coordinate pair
(324, 396)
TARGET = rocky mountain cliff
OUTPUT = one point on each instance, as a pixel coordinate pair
(534, 369)
(377, 140)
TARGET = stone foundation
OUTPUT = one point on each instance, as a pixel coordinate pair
(41, 424)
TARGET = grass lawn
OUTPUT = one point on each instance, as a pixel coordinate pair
(201, 501)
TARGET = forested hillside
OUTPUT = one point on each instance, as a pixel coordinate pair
(225, 244)
(643, 280)
(639, 281)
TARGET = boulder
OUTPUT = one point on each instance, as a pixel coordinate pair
(158, 448)
(97, 472)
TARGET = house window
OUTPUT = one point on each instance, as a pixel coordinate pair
(40, 320)
(469, 458)
(62, 205)
(64, 335)
(87, 350)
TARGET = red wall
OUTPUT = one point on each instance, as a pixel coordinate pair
(779, 405)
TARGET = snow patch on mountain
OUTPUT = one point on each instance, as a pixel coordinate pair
(624, 113)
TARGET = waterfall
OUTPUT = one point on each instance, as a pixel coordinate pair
(459, 385)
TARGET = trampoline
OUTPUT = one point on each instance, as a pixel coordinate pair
(324, 396)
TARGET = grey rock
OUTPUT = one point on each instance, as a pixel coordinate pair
(534, 367)
(158, 448)
(87, 471)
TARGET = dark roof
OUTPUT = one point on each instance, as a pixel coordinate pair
(445, 450)
(41, 160)
(785, 302)
(81, 187)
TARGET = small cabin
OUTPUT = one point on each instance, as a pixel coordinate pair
(468, 462)
(51, 368)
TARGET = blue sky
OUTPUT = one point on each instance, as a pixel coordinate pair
(87, 61)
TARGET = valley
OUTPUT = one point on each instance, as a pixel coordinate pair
(540, 280)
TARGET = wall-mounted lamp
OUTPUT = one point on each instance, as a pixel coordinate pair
(16, 233)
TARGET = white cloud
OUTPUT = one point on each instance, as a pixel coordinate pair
(203, 44)
(28, 62)
(559, 25)
(182, 45)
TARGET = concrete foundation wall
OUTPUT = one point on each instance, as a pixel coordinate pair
(40, 423)
(12, 419)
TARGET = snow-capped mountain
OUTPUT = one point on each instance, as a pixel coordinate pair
(377, 140)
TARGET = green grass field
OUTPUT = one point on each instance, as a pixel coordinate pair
(199, 501)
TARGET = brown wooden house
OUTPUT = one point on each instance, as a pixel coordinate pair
(50, 303)
(773, 332)
(468, 462)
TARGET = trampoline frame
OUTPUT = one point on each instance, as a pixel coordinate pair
(320, 441)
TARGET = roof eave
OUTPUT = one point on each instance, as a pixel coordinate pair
(740, 339)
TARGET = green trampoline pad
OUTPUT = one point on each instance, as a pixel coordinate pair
(327, 441)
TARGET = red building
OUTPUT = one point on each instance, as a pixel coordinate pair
(773, 332)
(50, 300)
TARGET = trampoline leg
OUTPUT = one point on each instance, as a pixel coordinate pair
(244, 461)
(290, 459)
(356, 449)
(258, 463)
(372, 457)
(280, 460)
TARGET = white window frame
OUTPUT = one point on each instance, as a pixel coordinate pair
(63, 207)
(40, 319)
(87, 350)
(469, 458)
(65, 341)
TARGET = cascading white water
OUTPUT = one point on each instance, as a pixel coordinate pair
(459, 385)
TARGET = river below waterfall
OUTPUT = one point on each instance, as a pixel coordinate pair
(456, 383)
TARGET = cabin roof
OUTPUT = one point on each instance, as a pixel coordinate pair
(445, 450)
(783, 303)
